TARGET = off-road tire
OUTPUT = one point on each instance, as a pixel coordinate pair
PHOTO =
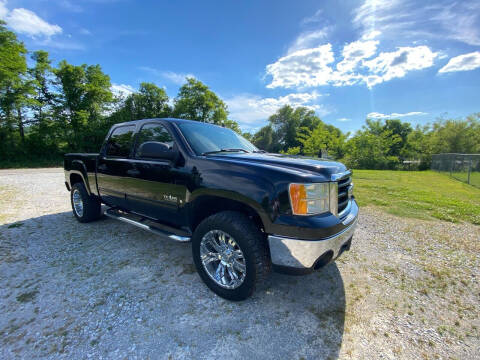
(92, 209)
(252, 243)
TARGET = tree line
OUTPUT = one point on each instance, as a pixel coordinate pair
(48, 110)
(379, 144)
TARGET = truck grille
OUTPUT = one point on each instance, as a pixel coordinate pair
(343, 186)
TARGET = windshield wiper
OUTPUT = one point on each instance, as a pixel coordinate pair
(224, 150)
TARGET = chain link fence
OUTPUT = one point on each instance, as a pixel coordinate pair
(463, 167)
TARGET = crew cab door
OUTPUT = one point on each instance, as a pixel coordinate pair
(114, 166)
(156, 189)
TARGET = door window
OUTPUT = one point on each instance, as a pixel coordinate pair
(154, 132)
(120, 141)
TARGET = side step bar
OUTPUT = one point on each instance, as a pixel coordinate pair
(125, 217)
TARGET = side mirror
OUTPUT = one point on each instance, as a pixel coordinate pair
(156, 150)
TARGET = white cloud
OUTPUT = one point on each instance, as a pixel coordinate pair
(308, 67)
(396, 64)
(26, 22)
(313, 18)
(176, 78)
(376, 115)
(122, 90)
(371, 35)
(463, 62)
(344, 119)
(3, 10)
(311, 67)
(59, 44)
(250, 110)
(355, 52)
(406, 20)
(309, 39)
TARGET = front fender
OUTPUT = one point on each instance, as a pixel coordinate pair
(247, 188)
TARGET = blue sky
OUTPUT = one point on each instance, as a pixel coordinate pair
(345, 59)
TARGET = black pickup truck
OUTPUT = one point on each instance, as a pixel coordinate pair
(245, 211)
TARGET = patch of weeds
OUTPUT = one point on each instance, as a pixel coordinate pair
(27, 297)
(15, 225)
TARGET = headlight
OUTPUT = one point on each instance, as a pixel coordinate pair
(317, 198)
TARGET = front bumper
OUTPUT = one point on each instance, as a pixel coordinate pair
(298, 256)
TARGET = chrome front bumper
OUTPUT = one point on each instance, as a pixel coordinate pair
(303, 254)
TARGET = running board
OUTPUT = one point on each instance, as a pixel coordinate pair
(122, 216)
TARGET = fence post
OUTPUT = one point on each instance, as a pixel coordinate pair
(451, 165)
(469, 170)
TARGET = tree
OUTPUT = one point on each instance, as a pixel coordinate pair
(85, 96)
(43, 127)
(456, 135)
(322, 137)
(367, 150)
(286, 122)
(13, 67)
(151, 101)
(399, 132)
(195, 101)
(263, 139)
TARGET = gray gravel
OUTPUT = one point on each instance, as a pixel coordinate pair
(109, 290)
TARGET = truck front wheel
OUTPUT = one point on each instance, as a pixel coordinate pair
(85, 208)
(230, 254)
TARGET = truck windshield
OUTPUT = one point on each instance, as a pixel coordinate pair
(208, 139)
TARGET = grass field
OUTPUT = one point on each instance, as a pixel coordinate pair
(463, 176)
(418, 194)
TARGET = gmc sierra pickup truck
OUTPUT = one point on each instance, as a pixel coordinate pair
(245, 211)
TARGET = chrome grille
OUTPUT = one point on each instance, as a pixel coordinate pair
(343, 198)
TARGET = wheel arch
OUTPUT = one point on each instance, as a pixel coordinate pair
(77, 176)
(206, 205)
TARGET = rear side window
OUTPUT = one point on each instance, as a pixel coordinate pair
(154, 132)
(120, 141)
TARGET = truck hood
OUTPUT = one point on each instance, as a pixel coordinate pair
(289, 163)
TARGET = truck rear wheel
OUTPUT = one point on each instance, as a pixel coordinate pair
(85, 208)
(230, 254)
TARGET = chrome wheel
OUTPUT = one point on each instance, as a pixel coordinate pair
(77, 203)
(222, 259)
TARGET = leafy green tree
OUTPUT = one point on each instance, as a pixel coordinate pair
(13, 67)
(322, 138)
(195, 101)
(285, 124)
(399, 132)
(151, 101)
(85, 96)
(456, 135)
(264, 139)
(367, 150)
(44, 134)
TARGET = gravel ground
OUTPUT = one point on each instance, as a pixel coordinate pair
(407, 289)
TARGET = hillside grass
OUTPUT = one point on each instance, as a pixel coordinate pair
(418, 194)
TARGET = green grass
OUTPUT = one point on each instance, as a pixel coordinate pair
(418, 194)
(463, 176)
